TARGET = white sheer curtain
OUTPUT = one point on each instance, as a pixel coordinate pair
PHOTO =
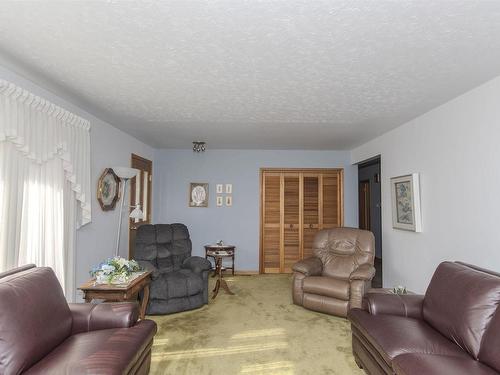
(44, 182)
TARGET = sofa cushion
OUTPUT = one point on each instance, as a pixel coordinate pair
(35, 318)
(431, 364)
(490, 346)
(327, 286)
(107, 351)
(176, 284)
(393, 335)
(460, 302)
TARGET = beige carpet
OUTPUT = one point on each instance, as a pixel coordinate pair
(256, 331)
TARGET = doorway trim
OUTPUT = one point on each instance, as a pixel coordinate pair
(375, 207)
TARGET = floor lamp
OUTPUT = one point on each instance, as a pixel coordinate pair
(125, 174)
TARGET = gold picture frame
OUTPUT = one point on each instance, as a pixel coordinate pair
(108, 189)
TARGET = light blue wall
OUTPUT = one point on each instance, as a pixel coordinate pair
(239, 224)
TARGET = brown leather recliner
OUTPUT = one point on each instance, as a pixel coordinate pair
(41, 334)
(338, 275)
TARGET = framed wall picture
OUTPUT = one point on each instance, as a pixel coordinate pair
(108, 190)
(198, 194)
(229, 188)
(219, 201)
(406, 212)
(219, 188)
(229, 200)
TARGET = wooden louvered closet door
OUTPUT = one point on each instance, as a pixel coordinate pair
(311, 212)
(295, 204)
(271, 222)
(291, 221)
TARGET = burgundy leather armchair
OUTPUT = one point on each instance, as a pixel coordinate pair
(41, 334)
(454, 329)
(337, 277)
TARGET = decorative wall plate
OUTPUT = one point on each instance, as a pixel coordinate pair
(108, 189)
(198, 194)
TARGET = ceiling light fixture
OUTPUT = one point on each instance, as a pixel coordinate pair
(198, 146)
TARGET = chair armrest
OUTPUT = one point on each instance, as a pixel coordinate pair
(197, 264)
(148, 266)
(407, 305)
(92, 317)
(364, 272)
(310, 266)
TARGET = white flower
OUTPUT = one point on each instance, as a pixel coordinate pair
(107, 268)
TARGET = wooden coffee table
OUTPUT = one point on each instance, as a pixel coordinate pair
(120, 292)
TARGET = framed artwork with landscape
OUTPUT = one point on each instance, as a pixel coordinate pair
(406, 213)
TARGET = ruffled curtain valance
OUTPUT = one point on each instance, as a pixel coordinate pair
(41, 131)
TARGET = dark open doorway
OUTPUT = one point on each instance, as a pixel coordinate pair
(370, 209)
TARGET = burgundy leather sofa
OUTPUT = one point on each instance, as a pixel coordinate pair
(453, 329)
(41, 334)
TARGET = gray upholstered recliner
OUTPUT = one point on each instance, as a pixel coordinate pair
(180, 281)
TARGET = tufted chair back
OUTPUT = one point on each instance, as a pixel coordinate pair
(343, 250)
(166, 246)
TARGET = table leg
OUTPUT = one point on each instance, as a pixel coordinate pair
(225, 287)
(218, 271)
(87, 299)
(233, 264)
(216, 289)
(144, 302)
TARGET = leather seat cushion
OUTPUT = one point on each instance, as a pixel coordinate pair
(429, 364)
(181, 283)
(327, 286)
(393, 335)
(106, 351)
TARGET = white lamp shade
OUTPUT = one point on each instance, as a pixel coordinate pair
(125, 172)
(137, 213)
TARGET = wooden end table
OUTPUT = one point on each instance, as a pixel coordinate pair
(219, 255)
(120, 292)
(227, 248)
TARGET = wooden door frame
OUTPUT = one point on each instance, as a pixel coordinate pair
(340, 171)
(150, 190)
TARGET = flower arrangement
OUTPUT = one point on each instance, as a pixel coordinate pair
(115, 270)
(399, 290)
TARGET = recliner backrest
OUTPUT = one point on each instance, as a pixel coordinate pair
(164, 245)
(35, 318)
(343, 250)
(460, 303)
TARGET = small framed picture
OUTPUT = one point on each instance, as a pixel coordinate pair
(406, 214)
(198, 194)
(229, 200)
(219, 200)
(219, 188)
(229, 188)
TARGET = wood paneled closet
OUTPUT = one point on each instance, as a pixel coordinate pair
(295, 204)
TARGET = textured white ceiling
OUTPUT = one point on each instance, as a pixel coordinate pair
(255, 74)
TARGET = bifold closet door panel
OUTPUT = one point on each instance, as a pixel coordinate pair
(295, 205)
(310, 215)
(291, 221)
(331, 201)
(271, 240)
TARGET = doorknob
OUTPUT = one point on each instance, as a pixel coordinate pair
(291, 226)
(311, 226)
